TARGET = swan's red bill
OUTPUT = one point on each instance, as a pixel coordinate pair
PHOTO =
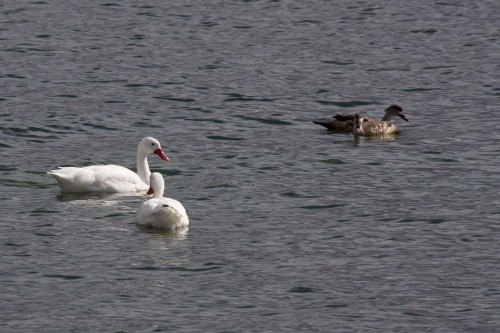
(160, 153)
(150, 191)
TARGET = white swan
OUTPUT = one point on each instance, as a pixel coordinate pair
(161, 212)
(110, 178)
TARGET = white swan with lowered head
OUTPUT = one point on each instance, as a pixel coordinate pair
(161, 212)
(110, 178)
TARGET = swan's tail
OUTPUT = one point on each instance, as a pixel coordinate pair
(64, 177)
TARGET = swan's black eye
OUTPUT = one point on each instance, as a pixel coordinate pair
(152, 144)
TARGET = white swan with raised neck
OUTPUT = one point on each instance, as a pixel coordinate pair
(110, 178)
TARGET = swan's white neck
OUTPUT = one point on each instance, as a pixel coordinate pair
(158, 187)
(158, 193)
(143, 166)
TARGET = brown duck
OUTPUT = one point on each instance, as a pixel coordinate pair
(345, 122)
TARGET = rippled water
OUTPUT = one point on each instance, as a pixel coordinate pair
(293, 228)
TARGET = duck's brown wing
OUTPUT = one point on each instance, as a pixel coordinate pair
(336, 125)
(344, 117)
(350, 117)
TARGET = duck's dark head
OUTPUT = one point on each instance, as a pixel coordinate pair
(396, 110)
(357, 121)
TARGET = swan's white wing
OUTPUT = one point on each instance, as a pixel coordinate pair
(98, 178)
(164, 213)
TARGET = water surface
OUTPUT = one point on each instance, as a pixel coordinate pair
(293, 228)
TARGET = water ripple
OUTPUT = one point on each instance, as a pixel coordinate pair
(23, 184)
(349, 104)
(236, 97)
(64, 277)
(175, 99)
(224, 138)
(267, 121)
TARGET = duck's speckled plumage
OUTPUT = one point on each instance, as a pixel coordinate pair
(372, 127)
(344, 123)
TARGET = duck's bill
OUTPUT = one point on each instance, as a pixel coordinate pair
(160, 153)
(404, 117)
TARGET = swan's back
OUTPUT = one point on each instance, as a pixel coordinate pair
(164, 213)
(98, 178)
